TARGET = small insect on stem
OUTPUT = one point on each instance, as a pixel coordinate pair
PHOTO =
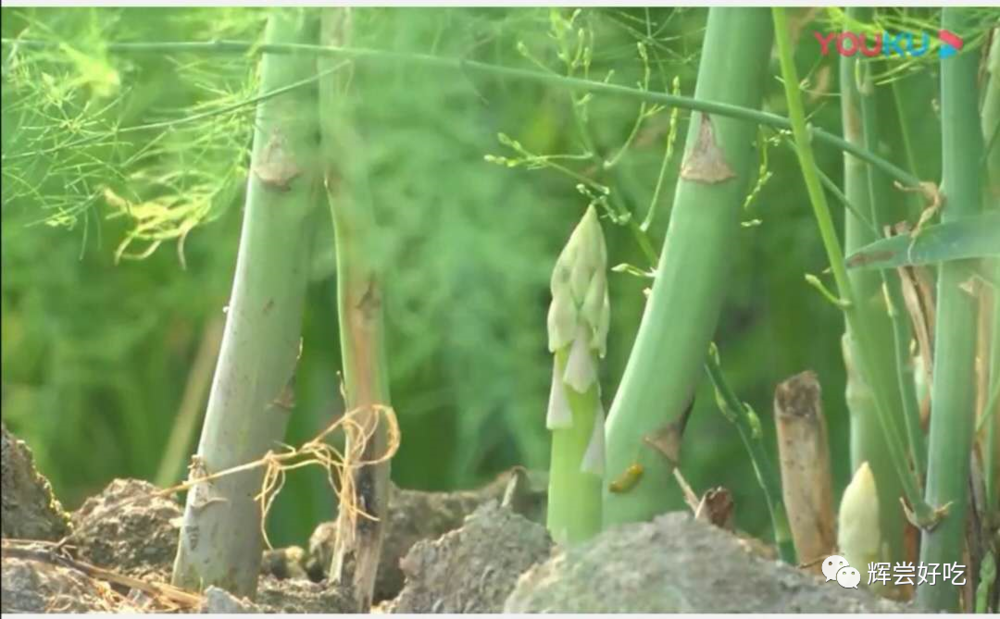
(627, 480)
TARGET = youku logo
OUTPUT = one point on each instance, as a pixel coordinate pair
(885, 44)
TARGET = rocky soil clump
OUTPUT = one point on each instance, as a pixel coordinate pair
(474, 568)
(38, 587)
(416, 515)
(676, 564)
(27, 508)
(129, 527)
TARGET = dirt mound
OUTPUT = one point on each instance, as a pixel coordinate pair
(280, 596)
(474, 568)
(37, 587)
(221, 602)
(416, 515)
(302, 596)
(677, 564)
(129, 528)
(28, 508)
(285, 563)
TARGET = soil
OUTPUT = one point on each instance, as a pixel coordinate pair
(128, 528)
(677, 564)
(278, 596)
(27, 507)
(415, 515)
(479, 551)
(474, 568)
(36, 587)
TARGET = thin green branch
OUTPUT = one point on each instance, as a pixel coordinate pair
(571, 83)
(628, 141)
(832, 187)
(748, 426)
(667, 156)
(905, 127)
(641, 116)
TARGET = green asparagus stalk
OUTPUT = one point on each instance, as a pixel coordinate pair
(991, 119)
(991, 133)
(691, 278)
(252, 391)
(862, 186)
(578, 329)
(952, 397)
(364, 504)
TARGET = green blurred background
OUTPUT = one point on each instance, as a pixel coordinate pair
(97, 351)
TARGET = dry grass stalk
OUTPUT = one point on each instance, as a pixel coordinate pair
(804, 459)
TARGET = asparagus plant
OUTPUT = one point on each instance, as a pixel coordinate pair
(862, 187)
(578, 322)
(991, 133)
(860, 537)
(845, 300)
(952, 398)
(676, 327)
(691, 277)
(991, 120)
(252, 391)
(364, 498)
